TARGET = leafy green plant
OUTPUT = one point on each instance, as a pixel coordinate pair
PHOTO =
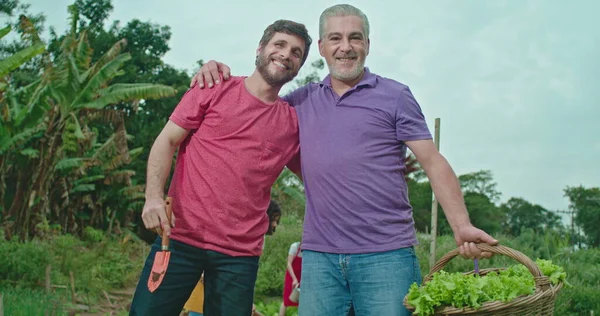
(461, 290)
(271, 308)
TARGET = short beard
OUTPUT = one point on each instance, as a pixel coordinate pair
(262, 62)
(353, 74)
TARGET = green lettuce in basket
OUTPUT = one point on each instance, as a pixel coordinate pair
(460, 290)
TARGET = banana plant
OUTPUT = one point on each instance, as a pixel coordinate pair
(73, 92)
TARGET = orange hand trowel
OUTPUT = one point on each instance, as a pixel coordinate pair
(161, 259)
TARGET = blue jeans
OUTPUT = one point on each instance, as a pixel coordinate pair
(228, 282)
(373, 283)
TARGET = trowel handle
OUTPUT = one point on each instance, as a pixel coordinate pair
(169, 209)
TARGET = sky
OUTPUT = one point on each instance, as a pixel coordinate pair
(512, 81)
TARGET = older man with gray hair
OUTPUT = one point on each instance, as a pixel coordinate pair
(355, 128)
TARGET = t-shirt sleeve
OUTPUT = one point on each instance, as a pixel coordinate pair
(189, 113)
(410, 121)
(298, 96)
(294, 249)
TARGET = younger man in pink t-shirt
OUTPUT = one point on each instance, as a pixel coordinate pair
(234, 141)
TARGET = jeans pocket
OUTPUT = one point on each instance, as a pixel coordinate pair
(408, 258)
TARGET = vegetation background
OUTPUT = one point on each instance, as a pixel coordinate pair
(78, 115)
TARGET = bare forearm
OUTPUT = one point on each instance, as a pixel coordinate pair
(291, 271)
(159, 167)
(447, 190)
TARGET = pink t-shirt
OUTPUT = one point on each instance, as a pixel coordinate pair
(236, 149)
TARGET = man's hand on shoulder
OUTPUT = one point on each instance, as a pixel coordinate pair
(208, 74)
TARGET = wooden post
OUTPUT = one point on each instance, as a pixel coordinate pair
(434, 203)
(48, 285)
(72, 278)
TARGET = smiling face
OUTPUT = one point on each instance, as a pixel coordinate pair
(280, 59)
(344, 46)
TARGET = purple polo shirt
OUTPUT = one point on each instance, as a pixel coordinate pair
(352, 150)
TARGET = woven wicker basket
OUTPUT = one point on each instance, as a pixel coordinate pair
(540, 303)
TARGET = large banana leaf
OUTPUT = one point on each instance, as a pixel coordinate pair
(8, 141)
(5, 31)
(70, 163)
(83, 53)
(15, 61)
(111, 54)
(127, 92)
(109, 71)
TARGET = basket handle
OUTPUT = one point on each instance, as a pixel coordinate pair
(540, 279)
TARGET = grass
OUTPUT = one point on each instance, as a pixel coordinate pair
(98, 265)
(25, 301)
(101, 263)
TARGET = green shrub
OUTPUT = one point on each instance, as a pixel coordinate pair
(273, 261)
(92, 235)
(24, 301)
(24, 262)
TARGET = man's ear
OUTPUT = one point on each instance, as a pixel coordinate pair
(257, 54)
(320, 48)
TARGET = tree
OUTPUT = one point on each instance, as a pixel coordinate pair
(484, 214)
(312, 76)
(585, 202)
(522, 215)
(93, 14)
(16, 126)
(419, 194)
(73, 92)
(481, 182)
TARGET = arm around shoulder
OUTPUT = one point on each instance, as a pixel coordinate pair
(298, 96)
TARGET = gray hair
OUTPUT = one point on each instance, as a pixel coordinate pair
(342, 10)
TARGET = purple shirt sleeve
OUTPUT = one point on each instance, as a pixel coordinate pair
(297, 96)
(410, 121)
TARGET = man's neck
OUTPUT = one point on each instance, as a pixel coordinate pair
(342, 86)
(258, 87)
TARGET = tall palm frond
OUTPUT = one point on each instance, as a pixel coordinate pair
(128, 92)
